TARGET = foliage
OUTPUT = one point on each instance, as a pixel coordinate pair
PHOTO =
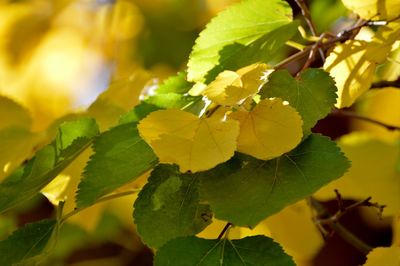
(233, 138)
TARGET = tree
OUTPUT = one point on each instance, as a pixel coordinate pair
(235, 138)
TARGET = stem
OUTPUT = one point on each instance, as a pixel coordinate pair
(385, 83)
(224, 230)
(354, 115)
(311, 26)
(106, 198)
(340, 229)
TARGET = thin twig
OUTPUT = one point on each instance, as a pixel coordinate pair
(106, 198)
(226, 227)
(338, 228)
(384, 83)
(354, 115)
(307, 17)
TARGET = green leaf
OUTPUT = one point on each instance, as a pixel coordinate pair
(255, 250)
(26, 181)
(247, 191)
(138, 113)
(243, 24)
(175, 84)
(235, 56)
(168, 207)
(26, 242)
(120, 157)
(172, 94)
(313, 94)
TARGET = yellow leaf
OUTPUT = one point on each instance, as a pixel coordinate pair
(292, 238)
(13, 114)
(16, 145)
(351, 70)
(382, 105)
(389, 256)
(55, 189)
(374, 9)
(230, 88)
(195, 144)
(271, 129)
(396, 230)
(374, 172)
(353, 63)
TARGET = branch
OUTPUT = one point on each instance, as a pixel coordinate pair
(337, 227)
(385, 83)
(307, 17)
(224, 230)
(351, 114)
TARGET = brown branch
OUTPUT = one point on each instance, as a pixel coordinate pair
(226, 227)
(307, 17)
(351, 114)
(337, 227)
(385, 83)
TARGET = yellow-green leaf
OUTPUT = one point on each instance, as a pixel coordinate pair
(374, 9)
(271, 129)
(193, 143)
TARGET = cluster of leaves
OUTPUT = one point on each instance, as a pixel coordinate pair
(229, 139)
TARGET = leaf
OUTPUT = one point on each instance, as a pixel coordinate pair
(193, 143)
(243, 24)
(387, 256)
(120, 157)
(353, 63)
(374, 9)
(382, 105)
(175, 84)
(16, 145)
(353, 73)
(313, 94)
(168, 206)
(13, 115)
(245, 191)
(25, 182)
(122, 95)
(26, 242)
(256, 250)
(271, 129)
(374, 171)
(230, 88)
(292, 238)
(264, 49)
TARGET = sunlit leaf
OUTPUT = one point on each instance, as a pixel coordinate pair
(312, 94)
(169, 200)
(271, 129)
(245, 191)
(243, 24)
(230, 88)
(192, 143)
(256, 250)
(374, 9)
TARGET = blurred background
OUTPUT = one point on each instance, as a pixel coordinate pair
(58, 56)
